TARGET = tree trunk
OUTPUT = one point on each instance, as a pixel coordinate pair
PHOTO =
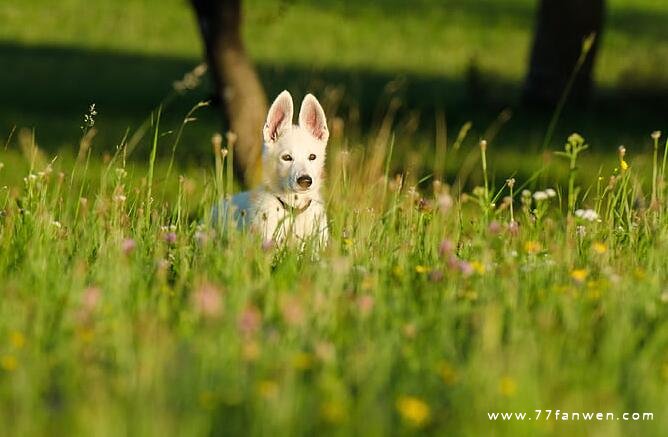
(561, 26)
(238, 88)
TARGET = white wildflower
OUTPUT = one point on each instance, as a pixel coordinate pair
(550, 192)
(587, 214)
(540, 195)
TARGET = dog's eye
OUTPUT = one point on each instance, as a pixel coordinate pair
(311, 157)
(286, 157)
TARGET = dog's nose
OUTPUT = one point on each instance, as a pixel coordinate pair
(304, 181)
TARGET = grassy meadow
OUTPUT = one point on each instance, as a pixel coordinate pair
(462, 278)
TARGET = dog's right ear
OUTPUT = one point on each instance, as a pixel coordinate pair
(279, 118)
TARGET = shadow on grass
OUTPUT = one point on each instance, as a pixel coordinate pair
(49, 88)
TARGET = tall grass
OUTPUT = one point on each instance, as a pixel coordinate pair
(431, 307)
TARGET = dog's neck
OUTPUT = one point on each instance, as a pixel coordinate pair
(295, 201)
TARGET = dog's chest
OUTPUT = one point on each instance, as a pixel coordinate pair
(275, 220)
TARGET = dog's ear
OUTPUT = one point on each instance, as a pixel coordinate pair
(312, 118)
(279, 118)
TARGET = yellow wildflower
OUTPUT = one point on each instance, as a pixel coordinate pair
(421, 269)
(507, 386)
(532, 247)
(478, 267)
(267, 389)
(8, 363)
(624, 165)
(251, 351)
(17, 340)
(579, 275)
(599, 248)
(413, 410)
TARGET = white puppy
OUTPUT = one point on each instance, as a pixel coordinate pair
(288, 205)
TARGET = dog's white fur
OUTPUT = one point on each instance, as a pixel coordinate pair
(282, 209)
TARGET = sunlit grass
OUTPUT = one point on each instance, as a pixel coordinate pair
(124, 308)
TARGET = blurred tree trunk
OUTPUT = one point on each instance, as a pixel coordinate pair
(561, 27)
(238, 88)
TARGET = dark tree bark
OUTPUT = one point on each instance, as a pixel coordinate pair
(238, 88)
(561, 26)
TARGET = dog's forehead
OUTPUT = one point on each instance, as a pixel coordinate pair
(300, 140)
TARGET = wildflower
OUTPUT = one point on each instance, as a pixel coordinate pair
(494, 228)
(398, 272)
(128, 246)
(587, 214)
(478, 267)
(550, 192)
(446, 247)
(540, 195)
(526, 193)
(510, 182)
(207, 300)
(413, 410)
(250, 320)
(216, 141)
(170, 237)
(599, 248)
(119, 198)
(579, 275)
(507, 386)
(656, 135)
(91, 299)
(56, 224)
(622, 162)
(581, 231)
(267, 389)
(17, 339)
(8, 363)
(532, 247)
(365, 305)
(293, 312)
(231, 138)
(444, 202)
(421, 269)
(201, 237)
(513, 228)
(436, 275)
(465, 267)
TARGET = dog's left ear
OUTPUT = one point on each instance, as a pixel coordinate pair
(312, 118)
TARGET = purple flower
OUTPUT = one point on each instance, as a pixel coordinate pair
(170, 237)
(128, 246)
(466, 268)
(446, 247)
(494, 228)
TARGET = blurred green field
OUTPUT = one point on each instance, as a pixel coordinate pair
(466, 58)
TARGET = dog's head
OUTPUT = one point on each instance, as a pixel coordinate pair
(294, 155)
